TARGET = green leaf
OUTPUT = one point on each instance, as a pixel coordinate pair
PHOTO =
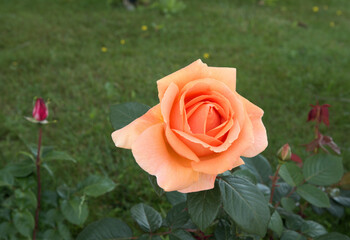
(24, 222)
(203, 206)
(51, 234)
(343, 198)
(64, 191)
(223, 231)
(148, 219)
(49, 198)
(149, 237)
(153, 180)
(245, 174)
(291, 173)
(292, 235)
(75, 210)
(276, 223)
(6, 178)
(175, 197)
(64, 231)
(323, 169)
(52, 217)
(336, 209)
(95, 186)
(47, 168)
(43, 150)
(106, 229)
(293, 221)
(333, 236)
(6, 229)
(260, 167)
(58, 155)
(21, 169)
(180, 234)
(25, 199)
(288, 204)
(123, 114)
(313, 229)
(245, 204)
(282, 189)
(177, 216)
(314, 195)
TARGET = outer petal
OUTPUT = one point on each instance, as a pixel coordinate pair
(260, 137)
(127, 135)
(225, 75)
(205, 182)
(155, 156)
(195, 70)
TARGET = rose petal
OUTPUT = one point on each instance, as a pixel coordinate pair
(195, 70)
(155, 156)
(178, 146)
(168, 101)
(126, 136)
(260, 137)
(198, 120)
(209, 86)
(221, 162)
(200, 144)
(205, 182)
(225, 75)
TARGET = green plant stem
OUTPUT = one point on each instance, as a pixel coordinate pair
(274, 180)
(39, 184)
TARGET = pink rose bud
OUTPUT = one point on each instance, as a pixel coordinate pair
(40, 111)
(284, 153)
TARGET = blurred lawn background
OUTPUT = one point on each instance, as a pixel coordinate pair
(85, 55)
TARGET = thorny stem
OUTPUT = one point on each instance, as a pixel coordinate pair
(39, 185)
(274, 180)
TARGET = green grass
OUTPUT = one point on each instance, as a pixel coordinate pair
(52, 49)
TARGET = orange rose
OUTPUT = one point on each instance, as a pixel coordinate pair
(199, 129)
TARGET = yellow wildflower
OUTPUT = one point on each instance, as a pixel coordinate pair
(144, 28)
(122, 41)
(206, 55)
(315, 9)
(332, 24)
(104, 49)
(339, 13)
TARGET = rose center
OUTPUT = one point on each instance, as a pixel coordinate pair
(203, 118)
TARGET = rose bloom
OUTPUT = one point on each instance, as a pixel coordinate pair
(200, 128)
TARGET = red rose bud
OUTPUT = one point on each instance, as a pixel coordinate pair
(319, 113)
(40, 111)
(284, 153)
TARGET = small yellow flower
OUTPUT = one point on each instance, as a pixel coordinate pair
(206, 55)
(104, 49)
(122, 41)
(315, 9)
(339, 13)
(332, 24)
(144, 28)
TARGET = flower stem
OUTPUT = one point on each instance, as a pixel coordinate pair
(39, 185)
(274, 180)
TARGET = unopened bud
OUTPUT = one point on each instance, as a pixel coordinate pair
(40, 110)
(284, 153)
